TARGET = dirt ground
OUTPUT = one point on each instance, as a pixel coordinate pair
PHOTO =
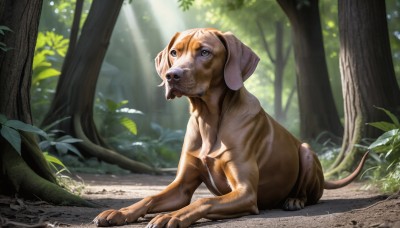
(346, 207)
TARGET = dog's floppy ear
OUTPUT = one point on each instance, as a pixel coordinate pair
(240, 63)
(162, 61)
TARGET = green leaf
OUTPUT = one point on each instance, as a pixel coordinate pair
(54, 160)
(19, 125)
(388, 153)
(129, 124)
(383, 140)
(65, 147)
(44, 145)
(4, 28)
(4, 47)
(68, 139)
(48, 127)
(12, 136)
(61, 148)
(113, 106)
(40, 61)
(391, 116)
(45, 74)
(73, 150)
(185, 4)
(384, 126)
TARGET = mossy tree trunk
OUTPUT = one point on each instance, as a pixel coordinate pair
(27, 174)
(367, 73)
(77, 85)
(317, 108)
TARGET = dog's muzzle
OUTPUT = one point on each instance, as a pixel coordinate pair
(173, 78)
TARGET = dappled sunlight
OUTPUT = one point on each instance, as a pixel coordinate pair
(138, 38)
(168, 17)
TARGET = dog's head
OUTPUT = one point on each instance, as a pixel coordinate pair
(195, 60)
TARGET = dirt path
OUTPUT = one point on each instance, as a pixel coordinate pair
(346, 207)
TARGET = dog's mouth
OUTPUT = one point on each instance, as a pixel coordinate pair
(172, 92)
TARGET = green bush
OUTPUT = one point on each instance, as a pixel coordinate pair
(159, 149)
(385, 174)
(50, 51)
(10, 130)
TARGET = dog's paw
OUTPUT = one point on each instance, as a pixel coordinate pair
(293, 204)
(115, 218)
(166, 220)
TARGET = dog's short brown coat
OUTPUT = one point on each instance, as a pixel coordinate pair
(243, 156)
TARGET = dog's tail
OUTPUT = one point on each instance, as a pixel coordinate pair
(347, 180)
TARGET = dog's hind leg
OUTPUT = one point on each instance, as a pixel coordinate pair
(310, 183)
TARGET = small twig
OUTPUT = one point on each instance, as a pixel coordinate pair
(6, 222)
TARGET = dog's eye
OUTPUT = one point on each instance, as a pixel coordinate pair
(173, 53)
(205, 53)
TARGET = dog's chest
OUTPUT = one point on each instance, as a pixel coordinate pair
(213, 176)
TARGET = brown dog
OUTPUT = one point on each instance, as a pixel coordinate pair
(243, 156)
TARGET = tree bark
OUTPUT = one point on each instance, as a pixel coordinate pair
(77, 86)
(318, 112)
(367, 72)
(29, 173)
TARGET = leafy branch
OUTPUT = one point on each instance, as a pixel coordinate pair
(185, 4)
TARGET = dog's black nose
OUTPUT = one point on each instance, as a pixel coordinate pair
(174, 74)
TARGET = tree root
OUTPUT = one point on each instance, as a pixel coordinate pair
(347, 154)
(108, 155)
(5, 222)
(32, 153)
(344, 165)
(29, 184)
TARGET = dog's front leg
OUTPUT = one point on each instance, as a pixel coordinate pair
(242, 200)
(175, 196)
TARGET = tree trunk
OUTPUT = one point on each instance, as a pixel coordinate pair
(280, 61)
(27, 174)
(278, 82)
(367, 72)
(77, 86)
(317, 108)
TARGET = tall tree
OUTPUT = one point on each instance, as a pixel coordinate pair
(318, 112)
(27, 173)
(77, 84)
(280, 60)
(367, 72)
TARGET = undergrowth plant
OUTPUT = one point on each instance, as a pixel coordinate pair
(50, 51)
(327, 146)
(115, 117)
(57, 142)
(159, 149)
(10, 130)
(385, 174)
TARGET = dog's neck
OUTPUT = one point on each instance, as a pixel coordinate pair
(209, 104)
(209, 111)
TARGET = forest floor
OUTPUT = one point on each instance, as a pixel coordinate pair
(346, 207)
